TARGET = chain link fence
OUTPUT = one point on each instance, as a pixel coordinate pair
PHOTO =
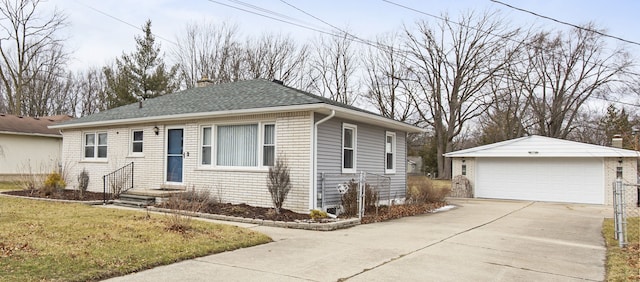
(626, 212)
(334, 186)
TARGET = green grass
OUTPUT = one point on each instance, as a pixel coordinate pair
(74, 242)
(8, 186)
(622, 264)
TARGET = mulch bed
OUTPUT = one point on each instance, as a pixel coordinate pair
(72, 195)
(243, 210)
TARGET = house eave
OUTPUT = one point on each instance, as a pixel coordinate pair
(31, 134)
(320, 107)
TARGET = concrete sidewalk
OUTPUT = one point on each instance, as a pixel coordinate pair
(479, 241)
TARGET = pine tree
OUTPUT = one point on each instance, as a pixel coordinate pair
(617, 122)
(142, 74)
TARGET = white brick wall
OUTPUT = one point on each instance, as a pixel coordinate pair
(629, 176)
(237, 186)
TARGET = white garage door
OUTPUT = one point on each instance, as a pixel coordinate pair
(575, 180)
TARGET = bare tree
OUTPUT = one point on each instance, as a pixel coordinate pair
(332, 69)
(453, 66)
(385, 67)
(88, 94)
(30, 53)
(563, 72)
(275, 57)
(208, 51)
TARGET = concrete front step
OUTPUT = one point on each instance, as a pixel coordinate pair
(135, 204)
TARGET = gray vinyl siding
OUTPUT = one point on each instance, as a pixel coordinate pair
(370, 150)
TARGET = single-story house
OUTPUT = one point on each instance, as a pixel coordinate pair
(223, 138)
(28, 146)
(540, 168)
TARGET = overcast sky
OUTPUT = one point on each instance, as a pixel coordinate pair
(101, 30)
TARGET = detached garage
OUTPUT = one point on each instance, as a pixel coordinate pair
(546, 169)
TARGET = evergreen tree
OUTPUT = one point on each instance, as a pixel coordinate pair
(142, 74)
(617, 122)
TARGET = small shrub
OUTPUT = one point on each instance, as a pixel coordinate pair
(191, 201)
(279, 183)
(350, 199)
(52, 184)
(421, 190)
(317, 214)
(83, 181)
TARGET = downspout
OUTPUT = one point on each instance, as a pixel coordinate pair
(314, 197)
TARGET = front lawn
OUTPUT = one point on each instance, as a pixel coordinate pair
(75, 242)
(8, 186)
(623, 264)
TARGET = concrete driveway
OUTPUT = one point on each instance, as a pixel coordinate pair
(481, 240)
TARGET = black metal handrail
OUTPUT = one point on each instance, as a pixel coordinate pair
(117, 182)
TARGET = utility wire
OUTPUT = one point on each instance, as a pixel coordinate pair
(566, 23)
(123, 21)
(273, 18)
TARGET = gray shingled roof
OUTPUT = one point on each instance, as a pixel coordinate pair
(248, 94)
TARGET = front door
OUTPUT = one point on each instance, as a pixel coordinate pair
(174, 155)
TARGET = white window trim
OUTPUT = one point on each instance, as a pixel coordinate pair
(214, 146)
(133, 154)
(95, 157)
(354, 128)
(393, 151)
(275, 143)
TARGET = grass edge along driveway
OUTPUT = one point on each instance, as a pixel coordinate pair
(75, 242)
(622, 264)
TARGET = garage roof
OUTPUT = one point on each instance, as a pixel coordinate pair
(540, 146)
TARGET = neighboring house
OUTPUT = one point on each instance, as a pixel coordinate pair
(414, 164)
(223, 138)
(546, 169)
(28, 146)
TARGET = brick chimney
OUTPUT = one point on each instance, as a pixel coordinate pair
(616, 141)
(204, 82)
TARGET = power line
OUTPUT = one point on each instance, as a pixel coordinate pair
(273, 18)
(124, 22)
(487, 32)
(567, 23)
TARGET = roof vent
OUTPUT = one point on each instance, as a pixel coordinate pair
(278, 81)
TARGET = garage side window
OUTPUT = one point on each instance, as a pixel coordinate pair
(464, 169)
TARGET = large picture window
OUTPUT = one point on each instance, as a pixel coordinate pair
(95, 145)
(349, 141)
(244, 145)
(390, 152)
(237, 145)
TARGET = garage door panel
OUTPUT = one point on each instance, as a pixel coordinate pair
(578, 180)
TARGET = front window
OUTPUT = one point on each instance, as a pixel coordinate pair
(390, 152)
(269, 145)
(95, 145)
(206, 145)
(245, 145)
(136, 142)
(349, 148)
(237, 145)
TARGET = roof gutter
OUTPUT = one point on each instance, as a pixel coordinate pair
(313, 199)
